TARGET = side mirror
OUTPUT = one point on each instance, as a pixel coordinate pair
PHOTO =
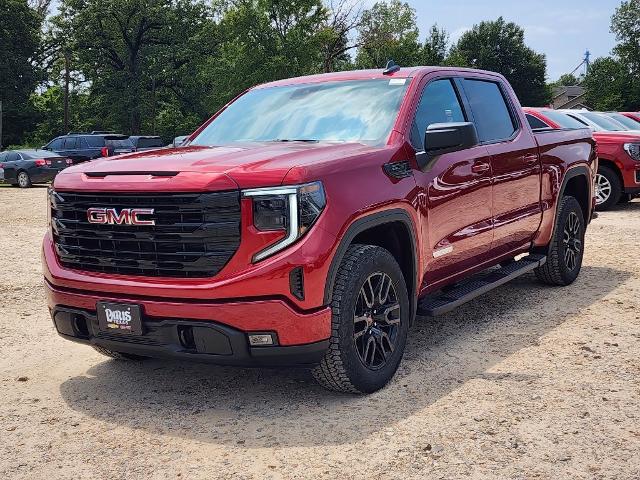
(443, 138)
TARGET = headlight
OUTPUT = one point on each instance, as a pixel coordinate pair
(633, 149)
(292, 209)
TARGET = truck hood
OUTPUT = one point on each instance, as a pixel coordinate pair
(198, 168)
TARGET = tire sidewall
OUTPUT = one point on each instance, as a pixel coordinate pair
(363, 379)
(569, 205)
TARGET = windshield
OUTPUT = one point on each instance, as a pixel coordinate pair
(604, 122)
(350, 111)
(626, 121)
(564, 120)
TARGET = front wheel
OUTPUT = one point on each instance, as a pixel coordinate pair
(608, 188)
(369, 324)
(566, 249)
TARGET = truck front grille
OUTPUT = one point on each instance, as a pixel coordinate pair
(194, 235)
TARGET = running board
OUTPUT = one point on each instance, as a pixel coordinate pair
(431, 306)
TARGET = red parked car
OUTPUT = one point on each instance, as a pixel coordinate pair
(311, 219)
(618, 177)
(632, 115)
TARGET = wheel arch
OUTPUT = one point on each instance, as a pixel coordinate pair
(391, 229)
(576, 184)
(613, 165)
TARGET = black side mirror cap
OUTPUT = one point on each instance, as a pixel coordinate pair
(441, 138)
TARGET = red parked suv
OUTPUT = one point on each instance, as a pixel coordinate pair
(311, 219)
(618, 178)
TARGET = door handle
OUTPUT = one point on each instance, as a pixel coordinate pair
(480, 167)
(530, 159)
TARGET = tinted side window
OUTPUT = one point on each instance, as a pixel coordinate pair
(536, 123)
(438, 104)
(3, 156)
(56, 144)
(71, 143)
(150, 142)
(95, 141)
(12, 157)
(490, 112)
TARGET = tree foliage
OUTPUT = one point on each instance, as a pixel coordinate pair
(164, 66)
(19, 44)
(388, 31)
(499, 46)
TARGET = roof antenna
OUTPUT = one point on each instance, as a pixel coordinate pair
(391, 67)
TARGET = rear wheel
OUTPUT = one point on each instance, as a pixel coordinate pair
(370, 320)
(117, 355)
(23, 179)
(566, 249)
(608, 188)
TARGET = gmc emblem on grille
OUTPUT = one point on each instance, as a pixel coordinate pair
(126, 216)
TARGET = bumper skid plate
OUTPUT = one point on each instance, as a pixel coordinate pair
(204, 341)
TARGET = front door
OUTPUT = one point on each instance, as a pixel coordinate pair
(458, 190)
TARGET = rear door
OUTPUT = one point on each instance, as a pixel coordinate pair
(457, 186)
(515, 164)
(71, 149)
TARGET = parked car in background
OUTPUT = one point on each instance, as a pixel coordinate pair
(618, 177)
(632, 115)
(598, 121)
(146, 142)
(81, 147)
(26, 167)
(308, 222)
(179, 141)
(628, 122)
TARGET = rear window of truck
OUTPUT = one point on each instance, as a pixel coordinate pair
(490, 111)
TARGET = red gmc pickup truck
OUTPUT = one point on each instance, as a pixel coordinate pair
(618, 176)
(310, 220)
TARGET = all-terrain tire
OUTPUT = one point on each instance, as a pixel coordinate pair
(616, 188)
(557, 270)
(117, 355)
(342, 369)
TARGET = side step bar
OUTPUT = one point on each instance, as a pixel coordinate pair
(443, 302)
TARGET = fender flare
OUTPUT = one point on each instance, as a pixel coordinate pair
(360, 225)
(579, 170)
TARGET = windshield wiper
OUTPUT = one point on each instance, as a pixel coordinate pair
(307, 140)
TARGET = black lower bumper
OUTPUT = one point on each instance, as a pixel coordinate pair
(200, 341)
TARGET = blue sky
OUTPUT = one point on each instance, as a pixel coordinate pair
(561, 29)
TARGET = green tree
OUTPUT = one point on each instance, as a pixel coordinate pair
(434, 49)
(625, 24)
(499, 46)
(138, 54)
(19, 44)
(388, 31)
(611, 86)
(568, 80)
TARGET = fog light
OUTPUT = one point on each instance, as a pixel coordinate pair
(260, 339)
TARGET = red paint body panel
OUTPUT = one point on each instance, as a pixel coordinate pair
(610, 149)
(486, 216)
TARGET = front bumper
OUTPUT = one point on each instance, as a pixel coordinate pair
(208, 342)
(290, 327)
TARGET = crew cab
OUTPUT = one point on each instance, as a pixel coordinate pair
(618, 177)
(312, 219)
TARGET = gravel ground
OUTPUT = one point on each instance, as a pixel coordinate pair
(526, 382)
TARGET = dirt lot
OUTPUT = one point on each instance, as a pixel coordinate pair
(527, 382)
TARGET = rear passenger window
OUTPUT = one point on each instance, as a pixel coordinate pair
(438, 104)
(535, 123)
(95, 141)
(71, 143)
(490, 112)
